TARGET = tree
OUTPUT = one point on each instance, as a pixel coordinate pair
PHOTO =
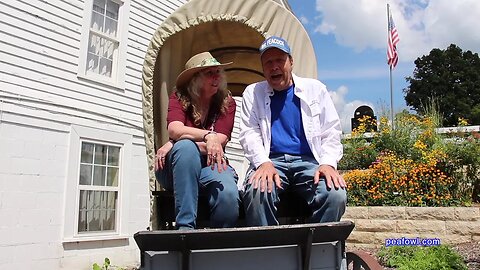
(451, 79)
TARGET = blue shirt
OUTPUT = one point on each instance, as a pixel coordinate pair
(288, 136)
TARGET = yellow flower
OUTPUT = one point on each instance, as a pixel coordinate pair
(420, 145)
(462, 122)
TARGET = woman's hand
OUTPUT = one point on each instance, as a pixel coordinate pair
(215, 152)
(162, 154)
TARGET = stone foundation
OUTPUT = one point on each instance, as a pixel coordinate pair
(374, 224)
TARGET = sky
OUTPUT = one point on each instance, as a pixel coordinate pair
(350, 39)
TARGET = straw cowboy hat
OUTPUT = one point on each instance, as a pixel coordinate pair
(195, 64)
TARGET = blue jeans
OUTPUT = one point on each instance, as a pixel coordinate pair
(296, 173)
(187, 174)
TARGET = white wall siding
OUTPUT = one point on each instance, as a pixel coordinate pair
(234, 150)
(32, 188)
(41, 98)
(51, 74)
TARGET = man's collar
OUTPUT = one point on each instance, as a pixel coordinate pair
(297, 82)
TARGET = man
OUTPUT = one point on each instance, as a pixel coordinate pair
(290, 132)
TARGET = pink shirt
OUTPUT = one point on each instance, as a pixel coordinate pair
(222, 124)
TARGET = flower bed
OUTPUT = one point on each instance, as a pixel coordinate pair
(411, 165)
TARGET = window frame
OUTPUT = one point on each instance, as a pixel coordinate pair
(81, 134)
(117, 79)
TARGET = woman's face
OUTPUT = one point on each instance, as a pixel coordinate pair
(211, 81)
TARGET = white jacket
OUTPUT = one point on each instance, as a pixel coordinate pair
(320, 121)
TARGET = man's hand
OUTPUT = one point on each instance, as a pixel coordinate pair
(264, 177)
(331, 176)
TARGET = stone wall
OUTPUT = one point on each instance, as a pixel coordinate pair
(375, 224)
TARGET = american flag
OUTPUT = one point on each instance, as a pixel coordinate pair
(393, 39)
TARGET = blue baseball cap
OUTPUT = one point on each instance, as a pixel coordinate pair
(274, 42)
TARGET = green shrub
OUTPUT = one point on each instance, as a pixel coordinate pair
(463, 162)
(105, 266)
(358, 152)
(421, 258)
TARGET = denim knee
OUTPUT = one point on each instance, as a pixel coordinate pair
(184, 145)
(329, 206)
(186, 152)
(225, 207)
(228, 200)
(229, 195)
(332, 197)
(337, 197)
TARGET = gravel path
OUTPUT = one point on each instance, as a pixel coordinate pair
(470, 253)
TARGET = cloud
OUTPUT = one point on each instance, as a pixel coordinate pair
(304, 20)
(346, 110)
(358, 73)
(456, 22)
(422, 24)
(374, 72)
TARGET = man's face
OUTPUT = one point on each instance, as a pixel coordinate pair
(277, 69)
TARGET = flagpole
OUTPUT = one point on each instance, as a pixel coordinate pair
(390, 68)
(391, 98)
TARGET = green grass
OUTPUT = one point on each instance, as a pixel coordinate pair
(440, 257)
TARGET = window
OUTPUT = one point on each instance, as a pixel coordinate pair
(98, 187)
(95, 197)
(103, 47)
(103, 41)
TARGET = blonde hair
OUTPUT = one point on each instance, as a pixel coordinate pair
(190, 96)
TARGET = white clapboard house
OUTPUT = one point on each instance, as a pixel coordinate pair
(83, 96)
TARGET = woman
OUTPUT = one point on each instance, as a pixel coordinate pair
(200, 121)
